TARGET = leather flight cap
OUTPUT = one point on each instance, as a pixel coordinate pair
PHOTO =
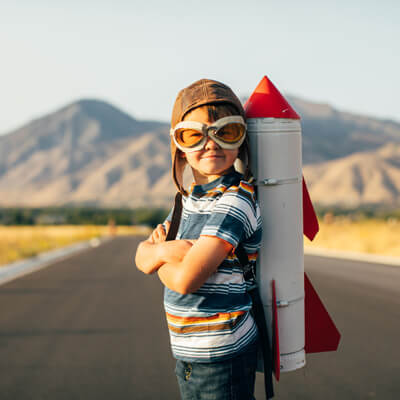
(199, 93)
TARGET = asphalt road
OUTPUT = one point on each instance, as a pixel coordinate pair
(92, 327)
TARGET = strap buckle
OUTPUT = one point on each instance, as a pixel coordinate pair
(249, 272)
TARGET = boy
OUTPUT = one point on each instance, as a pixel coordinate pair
(213, 335)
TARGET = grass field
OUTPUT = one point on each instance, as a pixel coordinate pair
(366, 236)
(18, 242)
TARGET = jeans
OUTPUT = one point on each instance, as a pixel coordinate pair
(233, 379)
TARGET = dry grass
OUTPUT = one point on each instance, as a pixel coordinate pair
(366, 236)
(17, 242)
(369, 236)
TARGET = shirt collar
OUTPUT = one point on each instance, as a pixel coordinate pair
(225, 180)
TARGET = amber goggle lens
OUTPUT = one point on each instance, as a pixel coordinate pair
(230, 133)
(188, 137)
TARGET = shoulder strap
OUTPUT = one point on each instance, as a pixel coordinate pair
(249, 272)
(176, 217)
(242, 255)
(259, 317)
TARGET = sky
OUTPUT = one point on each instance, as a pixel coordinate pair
(137, 55)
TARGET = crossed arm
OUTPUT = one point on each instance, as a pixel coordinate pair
(182, 265)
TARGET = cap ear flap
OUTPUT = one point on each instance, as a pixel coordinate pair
(242, 163)
(179, 164)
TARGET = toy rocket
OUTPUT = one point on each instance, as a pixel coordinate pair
(296, 319)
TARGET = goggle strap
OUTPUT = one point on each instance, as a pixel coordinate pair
(217, 124)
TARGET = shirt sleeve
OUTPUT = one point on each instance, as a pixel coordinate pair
(168, 218)
(234, 218)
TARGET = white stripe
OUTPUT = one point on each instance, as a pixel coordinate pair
(243, 205)
(188, 312)
(218, 278)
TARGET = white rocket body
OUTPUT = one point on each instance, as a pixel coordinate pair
(276, 164)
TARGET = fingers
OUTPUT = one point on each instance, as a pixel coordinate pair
(150, 238)
(159, 234)
(167, 226)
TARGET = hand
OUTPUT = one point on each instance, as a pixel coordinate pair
(175, 250)
(159, 234)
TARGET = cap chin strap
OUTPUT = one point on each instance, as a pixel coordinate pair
(178, 166)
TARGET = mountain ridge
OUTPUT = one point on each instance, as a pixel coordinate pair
(90, 152)
(363, 178)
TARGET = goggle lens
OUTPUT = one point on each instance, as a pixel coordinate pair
(230, 133)
(188, 137)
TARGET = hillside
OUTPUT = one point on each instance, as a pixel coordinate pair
(91, 153)
(80, 154)
(365, 178)
(329, 134)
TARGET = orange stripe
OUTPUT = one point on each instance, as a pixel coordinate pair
(246, 186)
(232, 256)
(253, 256)
(196, 320)
(215, 192)
(229, 325)
(233, 189)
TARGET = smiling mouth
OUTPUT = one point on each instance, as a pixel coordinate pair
(212, 156)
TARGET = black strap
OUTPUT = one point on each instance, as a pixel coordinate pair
(258, 310)
(259, 317)
(176, 217)
(248, 269)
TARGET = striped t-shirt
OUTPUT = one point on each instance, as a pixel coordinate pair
(214, 323)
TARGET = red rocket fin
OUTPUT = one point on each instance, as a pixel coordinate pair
(310, 221)
(321, 332)
(267, 102)
(275, 336)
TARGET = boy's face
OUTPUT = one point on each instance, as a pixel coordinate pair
(212, 161)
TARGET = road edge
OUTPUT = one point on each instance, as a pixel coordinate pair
(26, 266)
(350, 255)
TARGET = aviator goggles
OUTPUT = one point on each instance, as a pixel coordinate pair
(227, 132)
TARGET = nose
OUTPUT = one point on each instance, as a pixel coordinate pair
(211, 145)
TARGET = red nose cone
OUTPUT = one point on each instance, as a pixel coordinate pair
(267, 102)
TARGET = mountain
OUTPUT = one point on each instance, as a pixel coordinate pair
(364, 178)
(329, 134)
(91, 153)
(88, 152)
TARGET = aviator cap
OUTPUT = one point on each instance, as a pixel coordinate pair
(199, 93)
